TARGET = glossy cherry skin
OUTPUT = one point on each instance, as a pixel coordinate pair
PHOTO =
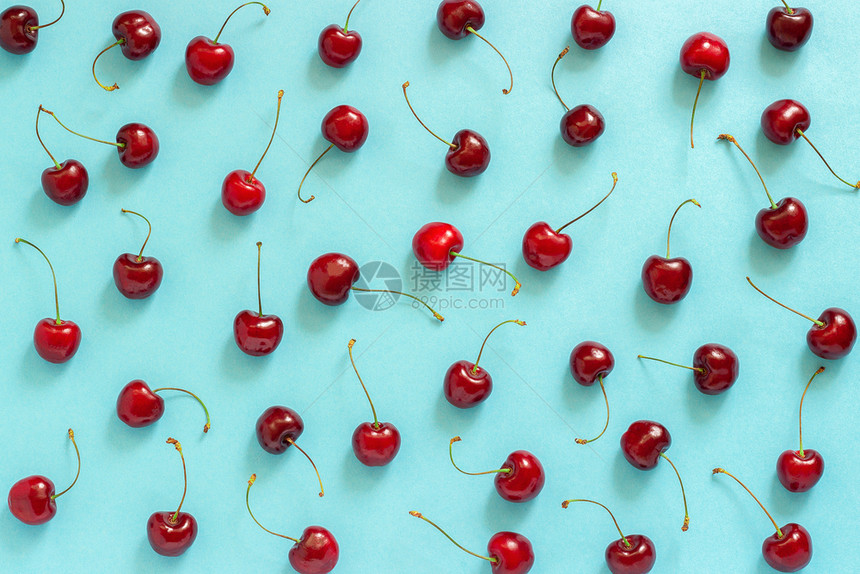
(799, 473)
(67, 185)
(642, 443)
(141, 145)
(781, 120)
(638, 558)
(207, 62)
(315, 553)
(331, 276)
(30, 500)
(470, 157)
(790, 553)
(16, 29)
(667, 281)
(454, 16)
(721, 368)
(543, 248)
(433, 244)
(275, 426)
(526, 479)
(788, 31)
(168, 537)
(785, 226)
(345, 127)
(464, 388)
(56, 343)
(241, 193)
(581, 125)
(589, 361)
(137, 277)
(513, 553)
(705, 51)
(140, 32)
(375, 445)
(592, 29)
(338, 48)
(836, 338)
(137, 406)
(256, 334)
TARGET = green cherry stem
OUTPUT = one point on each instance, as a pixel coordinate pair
(471, 30)
(517, 283)
(178, 446)
(596, 205)
(598, 6)
(259, 296)
(248, 506)
(39, 137)
(250, 178)
(732, 139)
(552, 76)
(686, 524)
(451, 456)
(354, 368)
(432, 133)
(266, 11)
(115, 86)
(53, 115)
(606, 424)
(800, 415)
(695, 103)
(489, 559)
(51, 23)
(697, 369)
(208, 425)
(817, 322)
(803, 135)
(148, 233)
(346, 26)
(481, 352)
(788, 8)
(78, 473)
(53, 275)
(669, 233)
(566, 503)
(722, 471)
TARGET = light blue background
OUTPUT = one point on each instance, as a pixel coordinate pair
(368, 205)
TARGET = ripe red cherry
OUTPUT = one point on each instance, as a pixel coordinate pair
(65, 183)
(581, 124)
(592, 29)
(277, 428)
(590, 361)
(172, 533)
(800, 470)
(704, 56)
(339, 47)
(634, 554)
(715, 368)
(788, 28)
(32, 499)
(138, 145)
(833, 334)
(376, 443)
(138, 406)
(466, 384)
(520, 478)
(19, 28)
(790, 548)
(137, 34)
(668, 280)
(509, 552)
(257, 334)
(544, 248)
(136, 276)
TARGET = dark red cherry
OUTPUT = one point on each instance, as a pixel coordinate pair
(345, 127)
(32, 499)
(136, 276)
(643, 442)
(257, 334)
(18, 32)
(316, 552)
(137, 406)
(788, 28)
(466, 385)
(331, 276)
(67, 184)
(525, 479)
(790, 552)
(704, 56)
(138, 33)
(581, 125)
(836, 337)
(785, 226)
(592, 29)
(139, 145)
(637, 558)
(277, 428)
(668, 280)
(717, 368)
(799, 473)
(781, 120)
(513, 553)
(171, 536)
(470, 154)
(433, 244)
(454, 16)
(590, 361)
(339, 47)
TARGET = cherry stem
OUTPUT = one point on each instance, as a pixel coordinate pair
(115, 144)
(432, 133)
(435, 314)
(506, 91)
(697, 369)
(598, 6)
(259, 297)
(346, 26)
(596, 205)
(115, 86)
(695, 103)
(39, 113)
(78, 473)
(354, 368)
(669, 233)
(481, 352)
(509, 274)
(817, 322)
(178, 446)
(148, 233)
(606, 424)
(788, 8)
(723, 471)
(800, 416)
(63, 11)
(250, 178)
(489, 559)
(207, 426)
(319, 157)
(566, 503)
(451, 456)
(552, 76)
(289, 440)
(686, 524)
(803, 135)
(248, 506)
(56, 298)
(266, 11)
(734, 141)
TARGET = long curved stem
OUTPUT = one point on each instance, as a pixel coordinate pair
(686, 524)
(517, 284)
(431, 309)
(354, 368)
(346, 26)
(178, 446)
(322, 492)
(208, 425)
(817, 322)
(52, 22)
(432, 133)
(53, 275)
(115, 86)
(606, 424)
(697, 369)
(695, 103)
(552, 75)
(259, 296)
(53, 115)
(669, 233)
(596, 205)
(451, 456)
(266, 11)
(803, 135)
(39, 113)
(78, 455)
(148, 233)
(471, 30)
(248, 506)
(566, 503)
(250, 178)
(732, 139)
(800, 415)
(319, 157)
(481, 352)
(722, 471)
(489, 559)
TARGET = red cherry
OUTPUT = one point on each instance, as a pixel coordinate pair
(136, 276)
(581, 124)
(590, 361)
(137, 145)
(704, 56)
(32, 500)
(277, 428)
(592, 29)
(633, 554)
(137, 34)
(257, 334)
(668, 280)
(520, 478)
(339, 47)
(715, 368)
(800, 470)
(138, 406)
(788, 28)
(172, 533)
(331, 276)
(316, 552)
(19, 29)
(64, 183)
(544, 248)
(790, 548)
(209, 62)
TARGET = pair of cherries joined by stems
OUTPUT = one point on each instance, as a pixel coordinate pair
(19, 28)
(137, 35)
(520, 478)
(668, 280)
(139, 406)
(715, 368)
(172, 532)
